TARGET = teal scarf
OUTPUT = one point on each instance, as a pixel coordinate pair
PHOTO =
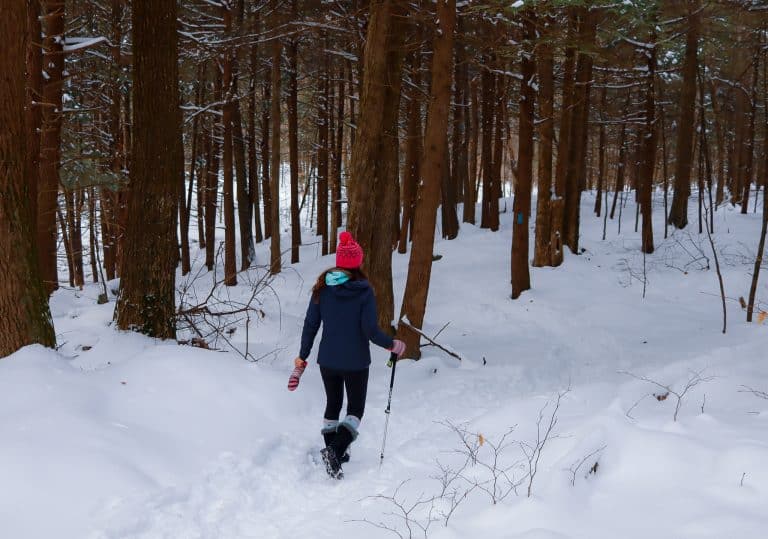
(335, 278)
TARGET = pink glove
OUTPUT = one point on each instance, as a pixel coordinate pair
(293, 379)
(398, 347)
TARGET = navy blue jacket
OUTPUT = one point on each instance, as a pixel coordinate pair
(348, 314)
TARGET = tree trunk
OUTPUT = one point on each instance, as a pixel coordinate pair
(678, 213)
(521, 208)
(50, 143)
(648, 146)
(620, 160)
(274, 204)
(337, 143)
(323, 118)
(601, 158)
(24, 314)
(577, 163)
(413, 150)
(373, 168)
(266, 189)
(247, 248)
(34, 117)
(469, 188)
(253, 167)
(293, 142)
(545, 65)
(563, 148)
(147, 286)
(433, 169)
(459, 141)
(749, 143)
(212, 181)
(488, 99)
(230, 257)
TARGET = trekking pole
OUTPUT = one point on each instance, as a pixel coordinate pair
(393, 362)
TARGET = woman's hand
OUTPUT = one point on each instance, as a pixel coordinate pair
(298, 370)
(398, 348)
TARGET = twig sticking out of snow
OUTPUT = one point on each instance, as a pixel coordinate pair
(695, 379)
(755, 392)
(574, 469)
(408, 513)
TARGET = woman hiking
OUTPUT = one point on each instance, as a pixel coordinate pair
(344, 302)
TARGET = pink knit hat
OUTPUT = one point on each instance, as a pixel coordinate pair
(349, 254)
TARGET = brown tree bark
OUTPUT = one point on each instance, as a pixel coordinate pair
(474, 132)
(337, 145)
(648, 145)
(717, 119)
(749, 142)
(433, 168)
(577, 162)
(373, 167)
(620, 161)
(488, 98)
(24, 314)
(678, 213)
(227, 61)
(73, 204)
(293, 140)
(521, 208)
(601, 157)
(413, 150)
(253, 167)
(563, 147)
(459, 134)
(275, 265)
(545, 67)
(244, 210)
(323, 120)
(34, 117)
(147, 286)
(212, 180)
(266, 184)
(185, 204)
(201, 144)
(50, 144)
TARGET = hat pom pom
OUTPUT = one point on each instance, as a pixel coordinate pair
(345, 238)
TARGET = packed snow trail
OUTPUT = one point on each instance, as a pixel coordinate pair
(135, 438)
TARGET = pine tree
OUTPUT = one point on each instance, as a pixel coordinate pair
(24, 314)
(147, 287)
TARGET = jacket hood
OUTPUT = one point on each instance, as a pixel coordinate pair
(350, 288)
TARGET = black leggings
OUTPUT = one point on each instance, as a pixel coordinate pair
(356, 383)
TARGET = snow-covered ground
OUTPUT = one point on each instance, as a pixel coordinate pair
(133, 438)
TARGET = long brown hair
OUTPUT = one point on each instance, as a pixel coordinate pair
(355, 274)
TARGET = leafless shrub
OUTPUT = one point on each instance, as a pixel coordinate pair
(544, 433)
(486, 466)
(695, 378)
(212, 317)
(411, 518)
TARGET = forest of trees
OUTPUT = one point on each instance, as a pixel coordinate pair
(130, 129)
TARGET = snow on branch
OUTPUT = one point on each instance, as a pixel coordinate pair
(73, 44)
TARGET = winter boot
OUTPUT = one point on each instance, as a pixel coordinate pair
(332, 464)
(329, 433)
